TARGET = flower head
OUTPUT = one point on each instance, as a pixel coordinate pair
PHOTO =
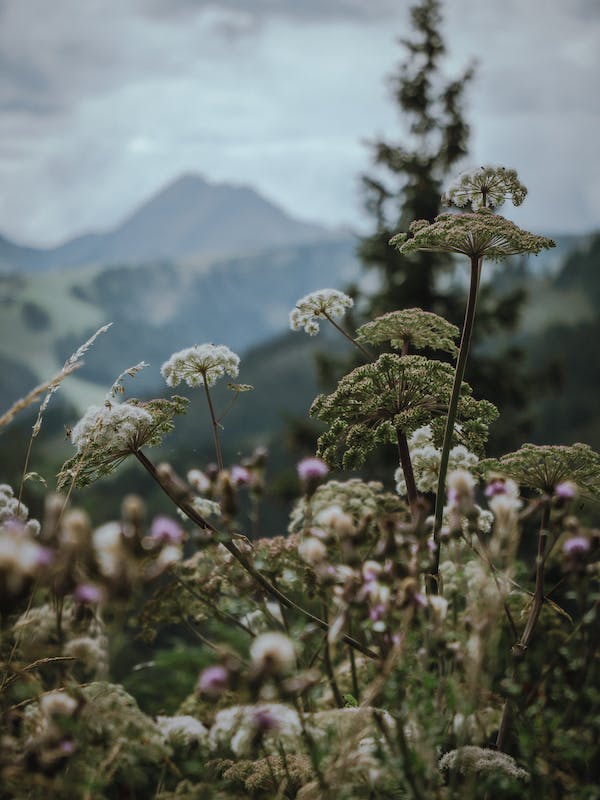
(312, 469)
(411, 326)
(576, 545)
(202, 364)
(165, 530)
(486, 187)
(213, 680)
(273, 653)
(476, 234)
(546, 467)
(318, 305)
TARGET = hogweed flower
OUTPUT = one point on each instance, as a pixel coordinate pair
(202, 364)
(546, 467)
(411, 326)
(486, 187)
(394, 394)
(323, 304)
(478, 234)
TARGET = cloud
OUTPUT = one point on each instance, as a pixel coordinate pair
(106, 101)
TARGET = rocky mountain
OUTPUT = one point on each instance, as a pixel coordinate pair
(189, 218)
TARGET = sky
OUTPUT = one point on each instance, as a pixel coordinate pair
(103, 102)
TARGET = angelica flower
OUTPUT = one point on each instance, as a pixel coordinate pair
(318, 305)
(113, 426)
(202, 364)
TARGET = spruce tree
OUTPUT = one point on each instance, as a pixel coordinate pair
(406, 184)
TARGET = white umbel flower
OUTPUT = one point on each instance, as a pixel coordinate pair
(318, 305)
(112, 426)
(201, 364)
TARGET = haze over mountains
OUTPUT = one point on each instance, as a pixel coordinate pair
(188, 218)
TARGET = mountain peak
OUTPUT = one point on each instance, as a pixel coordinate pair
(189, 217)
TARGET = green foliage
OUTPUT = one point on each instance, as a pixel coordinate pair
(392, 395)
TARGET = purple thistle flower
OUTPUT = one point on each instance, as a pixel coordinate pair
(239, 476)
(165, 530)
(576, 546)
(565, 490)
(88, 594)
(213, 680)
(265, 720)
(494, 488)
(310, 469)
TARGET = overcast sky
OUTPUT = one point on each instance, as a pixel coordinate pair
(104, 101)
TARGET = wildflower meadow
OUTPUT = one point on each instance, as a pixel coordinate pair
(431, 635)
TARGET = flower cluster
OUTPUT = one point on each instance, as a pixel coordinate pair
(426, 461)
(394, 394)
(547, 468)
(486, 187)
(318, 305)
(411, 327)
(477, 234)
(200, 365)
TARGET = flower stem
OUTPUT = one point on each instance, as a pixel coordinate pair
(215, 426)
(459, 374)
(409, 476)
(345, 334)
(181, 502)
(520, 648)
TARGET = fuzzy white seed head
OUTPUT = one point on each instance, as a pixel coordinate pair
(273, 652)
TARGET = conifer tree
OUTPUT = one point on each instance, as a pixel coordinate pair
(407, 183)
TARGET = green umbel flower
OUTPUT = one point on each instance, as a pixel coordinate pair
(486, 187)
(477, 234)
(543, 467)
(411, 326)
(375, 401)
(106, 435)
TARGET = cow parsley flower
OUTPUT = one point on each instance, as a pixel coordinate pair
(202, 364)
(486, 187)
(323, 304)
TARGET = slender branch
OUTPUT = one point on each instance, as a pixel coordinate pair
(520, 648)
(459, 373)
(190, 512)
(351, 339)
(215, 426)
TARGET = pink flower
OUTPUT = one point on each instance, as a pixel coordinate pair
(264, 720)
(213, 681)
(87, 593)
(165, 530)
(239, 475)
(576, 546)
(565, 490)
(310, 469)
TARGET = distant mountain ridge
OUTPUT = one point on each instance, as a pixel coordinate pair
(188, 218)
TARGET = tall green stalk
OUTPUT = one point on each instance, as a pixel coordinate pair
(463, 354)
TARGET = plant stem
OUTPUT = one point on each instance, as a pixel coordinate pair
(190, 512)
(409, 476)
(459, 373)
(215, 426)
(520, 648)
(345, 334)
